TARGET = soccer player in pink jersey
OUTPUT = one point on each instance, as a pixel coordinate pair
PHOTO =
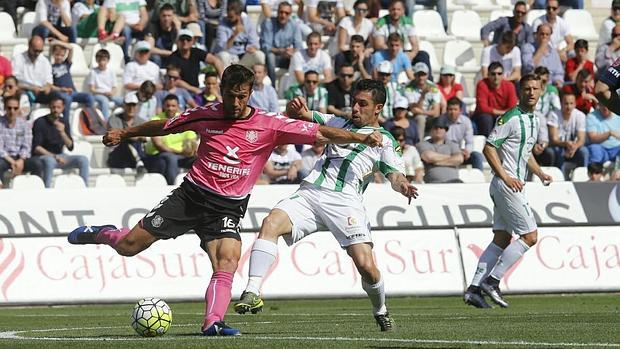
(235, 142)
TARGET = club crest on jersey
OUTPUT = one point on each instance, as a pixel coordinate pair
(251, 136)
(157, 221)
(351, 221)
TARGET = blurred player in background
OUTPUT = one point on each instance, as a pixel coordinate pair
(330, 198)
(236, 141)
(508, 151)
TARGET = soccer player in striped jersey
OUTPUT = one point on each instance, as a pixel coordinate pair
(235, 142)
(508, 152)
(330, 198)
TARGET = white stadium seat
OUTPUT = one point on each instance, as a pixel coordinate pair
(581, 24)
(180, 178)
(459, 53)
(465, 24)
(479, 142)
(78, 64)
(151, 180)
(429, 26)
(552, 171)
(25, 30)
(471, 175)
(495, 14)
(430, 49)
(532, 15)
(110, 181)
(485, 5)
(69, 181)
(8, 36)
(19, 48)
(580, 174)
(27, 182)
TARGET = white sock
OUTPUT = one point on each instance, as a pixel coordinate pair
(510, 256)
(263, 255)
(487, 261)
(376, 293)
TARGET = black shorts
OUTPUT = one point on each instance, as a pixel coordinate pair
(189, 207)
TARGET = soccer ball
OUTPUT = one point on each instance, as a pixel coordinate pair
(151, 317)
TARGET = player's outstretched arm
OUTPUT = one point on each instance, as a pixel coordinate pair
(327, 134)
(607, 96)
(297, 108)
(148, 129)
(532, 164)
(496, 165)
(401, 184)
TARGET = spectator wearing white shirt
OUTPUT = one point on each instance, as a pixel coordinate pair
(548, 104)
(357, 24)
(312, 58)
(283, 165)
(567, 133)
(34, 72)
(414, 167)
(53, 18)
(323, 15)
(505, 52)
(102, 83)
(309, 158)
(141, 68)
(561, 29)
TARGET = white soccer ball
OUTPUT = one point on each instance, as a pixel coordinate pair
(151, 317)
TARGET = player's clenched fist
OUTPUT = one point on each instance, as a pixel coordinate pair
(113, 137)
(296, 107)
(374, 139)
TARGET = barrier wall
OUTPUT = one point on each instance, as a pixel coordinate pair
(414, 259)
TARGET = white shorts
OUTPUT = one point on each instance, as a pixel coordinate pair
(511, 212)
(312, 208)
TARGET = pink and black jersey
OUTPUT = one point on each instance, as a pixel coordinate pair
(232, 153)
(611, 76)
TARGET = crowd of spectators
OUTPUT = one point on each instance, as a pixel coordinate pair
(316, 49)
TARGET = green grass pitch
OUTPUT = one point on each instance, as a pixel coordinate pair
(541, 321)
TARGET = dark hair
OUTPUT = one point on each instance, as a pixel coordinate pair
(55, 98)
(376, 88)
(147, 88)
(595, 167)
(310, 72)
(284, 3)
(11, 77)
(395, 1)
(508, 37)
(171, 97)
(581, 43)
(398, 132)
(313, 35)
(358, 2)
(234, 5)
(541, 70)
(166, 7)
(520, 3)
(346, 65)
(583, 74)
(567, 92)
(175, 68)
(495, 65)
(528, 77)
(103, 53)
(395, 37)
(211, 74)
(237, 75)
(11, 98)
(454, 101)
(356, 38)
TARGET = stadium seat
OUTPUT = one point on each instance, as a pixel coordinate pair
(495, 14)
(580, 174)
(78, 66)
(110, 181)
(485, 6)
(552, 171)
(429, 26)
(82, 148)
(19, 48)
(430, 49)
(180, 178)
(532, 15)
(507, 4)
(27, 182)
(69, 181)
(25, 30)
(282, 105)
(465, 24)
(471, 175)
(37, 113)
(8, 36)
(452, 5)
(459, 53)
(76, 131)
(581, 24)
(479, 142)
(117, 60)
(151, 180)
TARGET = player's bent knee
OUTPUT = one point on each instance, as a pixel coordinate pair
(530, 238)
(277, 223)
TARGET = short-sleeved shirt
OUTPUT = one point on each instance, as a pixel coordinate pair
(190, 68)
(130, 9)
(317, 101)
(412, 160)
(325, 9)
(45, 134)
(45, 10)
(392, 93)
(62, 75)
(432, 98)
(560, 29)
(174, 141)
(349, 168)
(365, 28)
(384, 27)
(337, 96)
(509, 61)
(180, 92)
(514, 136)
(103, 80)
(138, 73)
(232, 153)
(400, 63)
(302, 62)
(439, 174)
(164, 39)
(596, 122)
(549, 102)
(118, 121)
(568, 129)
(283, 162)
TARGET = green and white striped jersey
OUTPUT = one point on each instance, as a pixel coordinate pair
(348, 168)
(514, 136)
